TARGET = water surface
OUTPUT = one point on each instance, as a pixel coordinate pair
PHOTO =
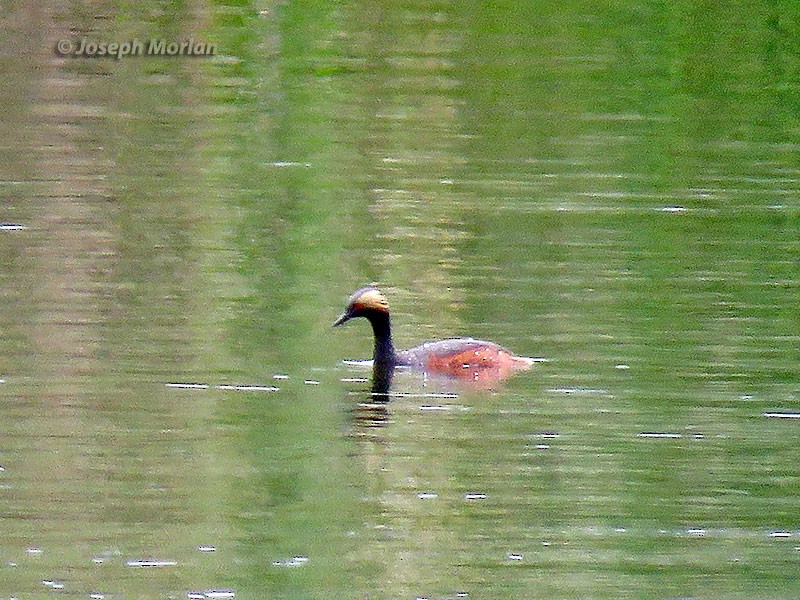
(612, 188)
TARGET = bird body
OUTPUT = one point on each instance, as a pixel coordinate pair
(460, 353)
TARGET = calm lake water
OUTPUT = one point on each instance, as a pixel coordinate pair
(613, 187)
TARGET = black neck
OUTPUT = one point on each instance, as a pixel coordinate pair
(384, 348)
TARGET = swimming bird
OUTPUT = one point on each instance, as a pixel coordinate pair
(463, 358)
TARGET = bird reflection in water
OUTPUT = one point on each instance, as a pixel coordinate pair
(374, 411)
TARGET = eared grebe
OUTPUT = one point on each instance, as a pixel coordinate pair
(464, 358)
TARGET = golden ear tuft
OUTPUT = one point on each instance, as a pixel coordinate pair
(372, 298)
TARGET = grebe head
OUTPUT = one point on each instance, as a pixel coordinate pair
(366, 302)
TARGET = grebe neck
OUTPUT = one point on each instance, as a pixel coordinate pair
(384, 348)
